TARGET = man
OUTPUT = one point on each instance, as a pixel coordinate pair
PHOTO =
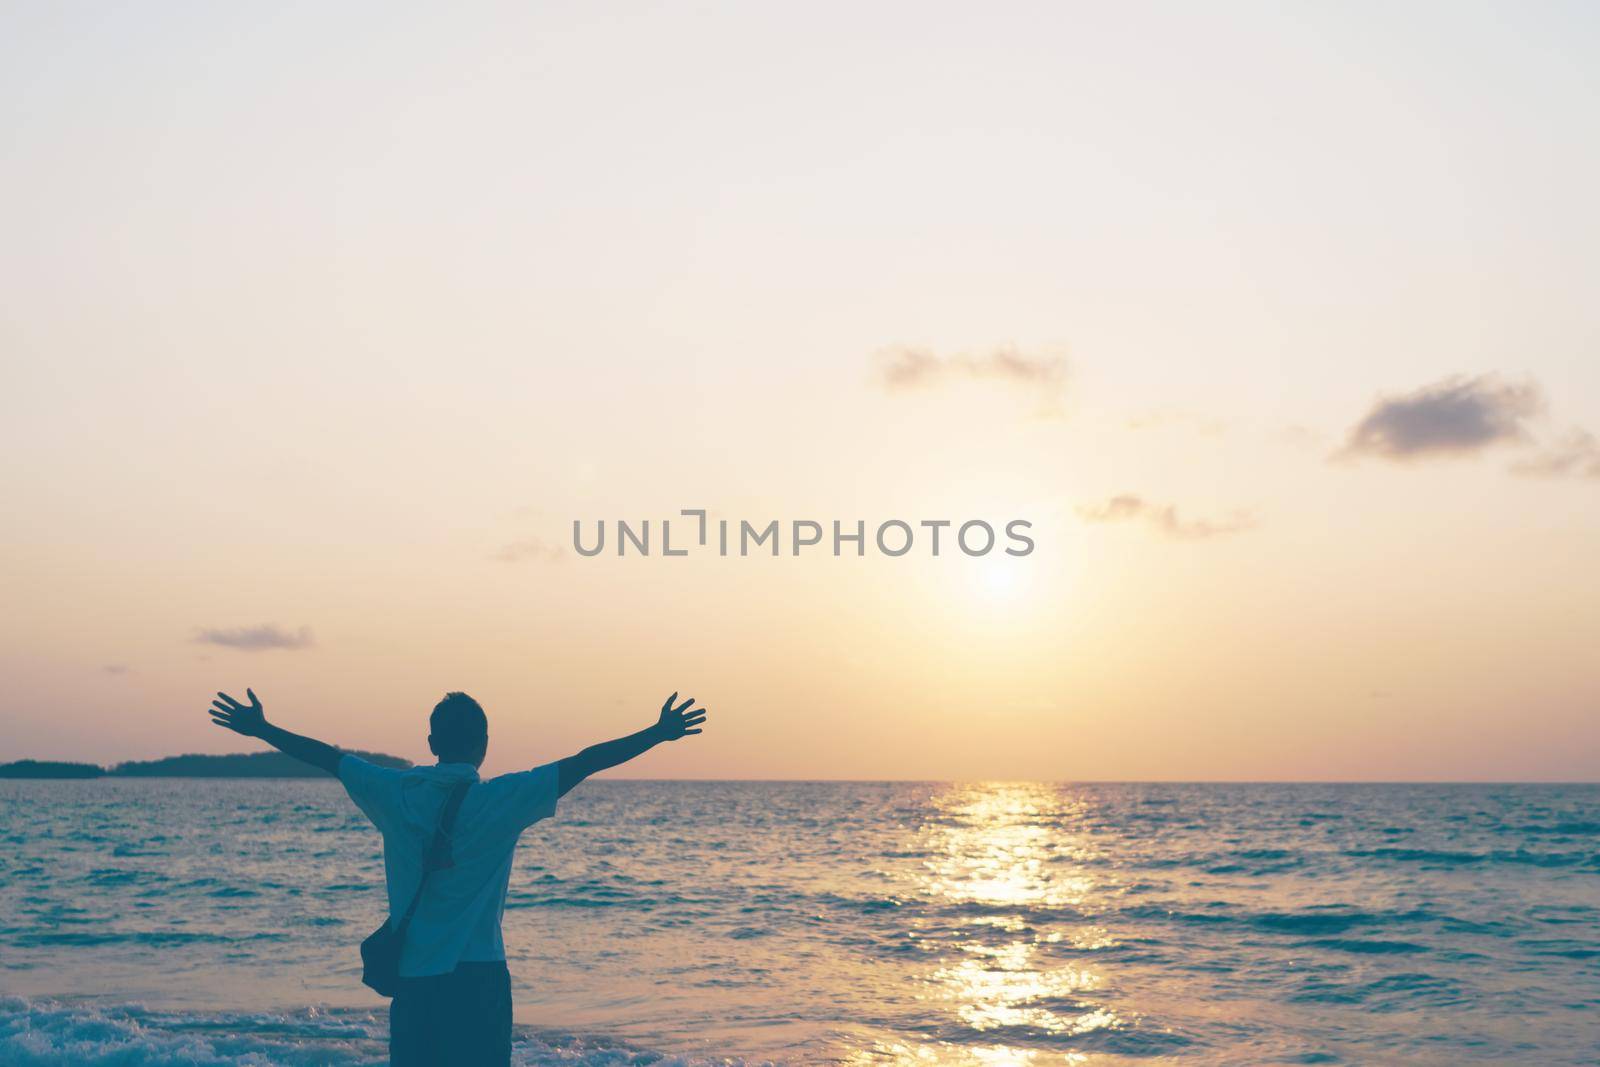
(454, 1001)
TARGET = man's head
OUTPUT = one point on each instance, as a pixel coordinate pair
(460, 730)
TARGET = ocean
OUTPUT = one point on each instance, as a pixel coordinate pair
(216, 922)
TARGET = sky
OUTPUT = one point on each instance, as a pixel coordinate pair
(324, 323)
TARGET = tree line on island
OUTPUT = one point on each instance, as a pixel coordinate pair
(235, 765)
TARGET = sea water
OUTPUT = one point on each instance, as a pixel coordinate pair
(216, 921)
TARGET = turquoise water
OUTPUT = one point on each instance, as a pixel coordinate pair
(178, 921)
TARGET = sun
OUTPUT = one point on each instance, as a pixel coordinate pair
(997, 579)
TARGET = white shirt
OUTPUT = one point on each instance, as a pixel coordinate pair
(459, 917)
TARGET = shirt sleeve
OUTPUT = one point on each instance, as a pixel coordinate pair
(531, 795)
(375, 789)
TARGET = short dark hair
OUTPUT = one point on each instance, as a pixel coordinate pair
(458, 722)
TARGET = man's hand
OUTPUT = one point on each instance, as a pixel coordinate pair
(680, 721)
(247, 719)
(675, 722)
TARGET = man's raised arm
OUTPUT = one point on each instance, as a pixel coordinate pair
(675, 722)
(249, 720)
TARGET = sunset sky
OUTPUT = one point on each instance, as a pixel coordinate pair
(323, 323)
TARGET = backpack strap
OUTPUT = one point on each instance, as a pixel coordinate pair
(437, 856)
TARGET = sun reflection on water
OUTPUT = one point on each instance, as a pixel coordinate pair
(1007, 889)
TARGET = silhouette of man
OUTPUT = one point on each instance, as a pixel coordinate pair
(454, 1001)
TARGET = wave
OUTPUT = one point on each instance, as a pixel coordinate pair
(1365, 946)
(1446, 858)
(1405, 991)
(155, 938)
(1315, 922)
(45, 1033)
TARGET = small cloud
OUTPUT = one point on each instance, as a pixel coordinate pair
(1122, 506)
(255, 638)
(902, 368)
(1577, 455)
(1165, 518)
(115, 668)
(1296, 435)
(1456, 416)
(1205, 425)
(530, 548)
(908, 368)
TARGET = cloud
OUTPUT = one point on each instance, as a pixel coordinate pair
(1122, 506)
(1456, 416)
(115, 668)
(1297, 435)
(902, 368)
(1165, 518)
(1205, 425)
(529, 548)
(255, 638)
(1577, 455)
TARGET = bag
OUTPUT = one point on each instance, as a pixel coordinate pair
(380, 952)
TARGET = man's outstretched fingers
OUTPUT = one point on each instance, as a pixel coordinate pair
(688, 732)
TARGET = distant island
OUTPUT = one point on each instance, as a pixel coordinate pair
(34, 768)
(239, 765)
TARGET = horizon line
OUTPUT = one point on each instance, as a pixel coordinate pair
(896, 781)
